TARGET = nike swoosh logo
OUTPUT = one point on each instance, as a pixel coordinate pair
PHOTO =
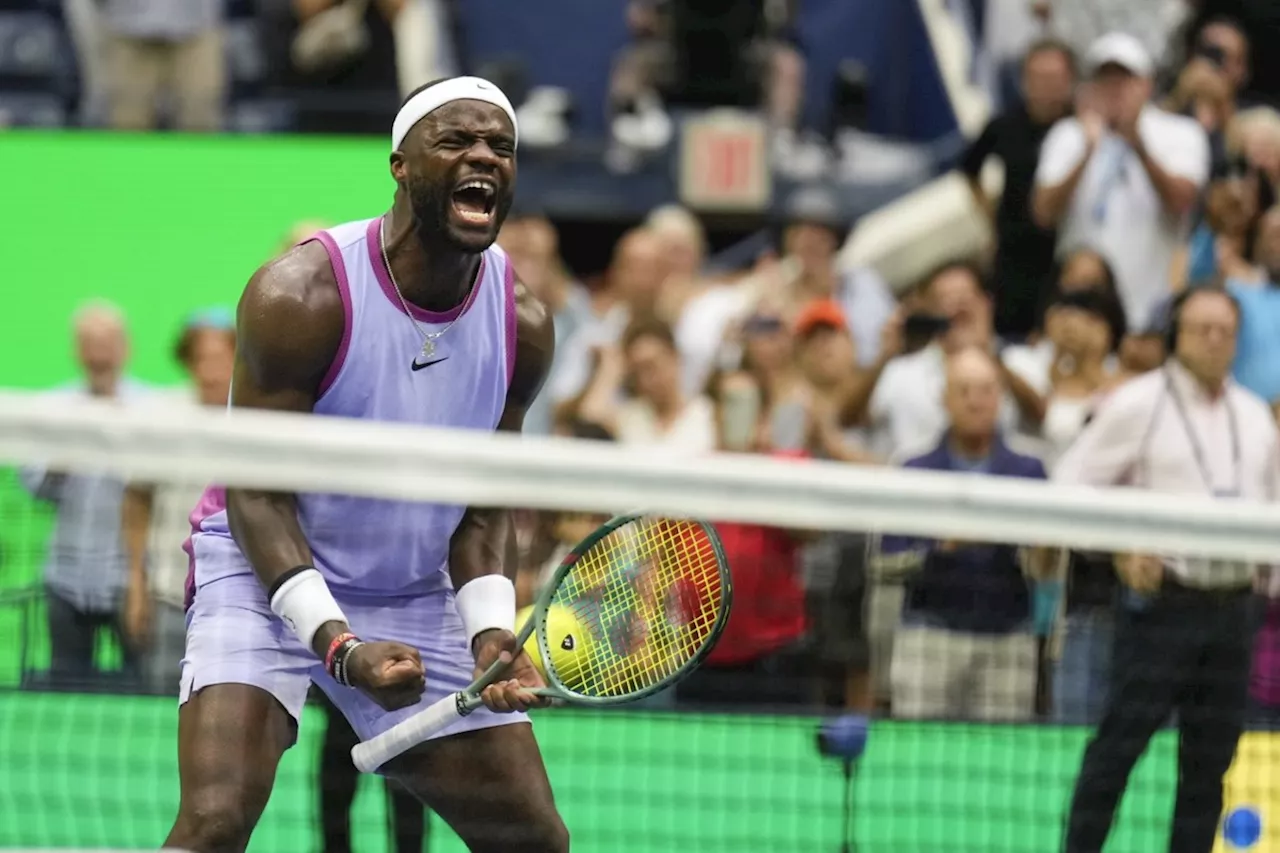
(418, 365)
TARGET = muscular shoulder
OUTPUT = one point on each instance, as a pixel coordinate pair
(535, 346)
(290, 319)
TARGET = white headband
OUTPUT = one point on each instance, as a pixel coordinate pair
(444, 92)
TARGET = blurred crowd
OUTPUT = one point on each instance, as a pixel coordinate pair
(1118, 198)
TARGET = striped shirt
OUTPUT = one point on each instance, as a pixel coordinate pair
(85, 563)
(167, 20)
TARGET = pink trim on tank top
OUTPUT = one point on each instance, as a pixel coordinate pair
(344, 291)
(373, 236)
(212, 502)
(509, 286)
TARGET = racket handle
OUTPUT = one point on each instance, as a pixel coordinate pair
(371, 754)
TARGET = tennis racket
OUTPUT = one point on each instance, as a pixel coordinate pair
(630, 611)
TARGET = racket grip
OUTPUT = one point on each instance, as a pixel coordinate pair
(371, 754)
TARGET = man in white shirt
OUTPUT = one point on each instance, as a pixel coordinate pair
(1184, 631)
(1122, 175)
(900, 396)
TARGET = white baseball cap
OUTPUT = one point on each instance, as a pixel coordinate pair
(1119, 49)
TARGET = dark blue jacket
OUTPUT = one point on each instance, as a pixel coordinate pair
(975, 588)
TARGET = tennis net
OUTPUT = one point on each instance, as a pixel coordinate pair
(977, 718)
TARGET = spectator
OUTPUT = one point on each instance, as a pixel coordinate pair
(1257, 365)
(656, 412)
(809, 239)
(1221, 244)
(1253, 145)
(1073, 365)
(334, 89)
(555, 534)
(1185, 630)
(1123, 175)
(532, 243)
(1264, 676)
(1024, 250)
(647, 72)
(156, 48)
(812, 232)
(1208, 87)
(825, 356)
(85, 571)
(684, 249)
(900, 396)
(634, 282)
(835, 563)
(762, 658)
(154, 518)
(406, 816)
(965, 647)
(788, 425)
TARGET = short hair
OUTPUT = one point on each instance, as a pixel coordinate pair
(962, 265)
(185, 346)
(649, 327)
(1231, 24)
(424, 87)
(98, 309)
(1053, 45)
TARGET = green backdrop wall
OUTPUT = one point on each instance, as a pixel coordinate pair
(160, 224)
(81, 771)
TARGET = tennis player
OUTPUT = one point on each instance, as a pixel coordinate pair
(388, 606)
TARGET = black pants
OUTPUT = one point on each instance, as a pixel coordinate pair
(782, 680)
(1186, 651)
(73, 635)
(338, 778)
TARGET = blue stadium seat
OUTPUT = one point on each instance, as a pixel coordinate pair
(29, 109)
(264, 115)
(246, 65)
(34, 53)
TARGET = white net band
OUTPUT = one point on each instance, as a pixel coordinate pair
(320, 454)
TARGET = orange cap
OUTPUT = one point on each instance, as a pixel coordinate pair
(820, 312)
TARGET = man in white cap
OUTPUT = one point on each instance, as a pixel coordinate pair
(388, 606)
(1122, 175)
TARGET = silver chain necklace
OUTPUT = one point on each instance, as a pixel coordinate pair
(428, 338)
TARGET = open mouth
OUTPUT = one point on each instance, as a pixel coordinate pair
(474, 201)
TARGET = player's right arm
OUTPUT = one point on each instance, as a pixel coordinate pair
(289, 326)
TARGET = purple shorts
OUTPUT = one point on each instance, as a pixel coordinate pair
(234, 638)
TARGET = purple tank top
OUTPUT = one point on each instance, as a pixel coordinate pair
(364, 545)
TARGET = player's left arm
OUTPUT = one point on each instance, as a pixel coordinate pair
(482, 553)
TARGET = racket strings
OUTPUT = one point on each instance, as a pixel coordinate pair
(650, 595)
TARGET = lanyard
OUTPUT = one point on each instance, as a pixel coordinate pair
(1197, 449)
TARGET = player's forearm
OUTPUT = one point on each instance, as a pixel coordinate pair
(482, 566)
(265, 526)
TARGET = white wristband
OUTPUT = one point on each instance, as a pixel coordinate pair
(305, 603)
(486, 602)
